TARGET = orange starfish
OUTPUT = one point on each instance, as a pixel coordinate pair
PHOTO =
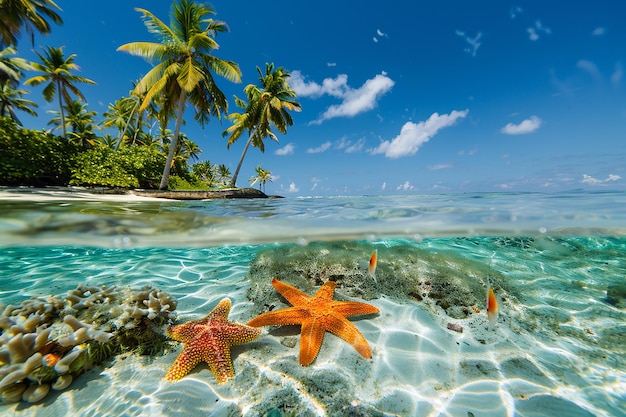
(209, 340)
(317, 315)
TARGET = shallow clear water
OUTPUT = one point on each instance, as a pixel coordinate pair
(557, 263)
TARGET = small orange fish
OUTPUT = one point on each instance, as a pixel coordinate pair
(50, 359)
(372, 265)
(492, 307)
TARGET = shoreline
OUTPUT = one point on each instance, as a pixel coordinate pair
(26, 193)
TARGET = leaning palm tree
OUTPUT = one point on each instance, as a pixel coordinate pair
(57, 72)
(184, 67)
(31, 15)
(11, 100)
(266, 106)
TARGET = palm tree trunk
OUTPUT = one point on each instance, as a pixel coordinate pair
(62, 114)
(132, 112)
(170, 157)
(233, 180)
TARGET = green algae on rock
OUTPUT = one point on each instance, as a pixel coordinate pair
(405, 271)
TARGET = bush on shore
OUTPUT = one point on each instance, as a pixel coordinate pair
(34, 158)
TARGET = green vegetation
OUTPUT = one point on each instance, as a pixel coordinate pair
(130, 167)
(266, 106)
(30, 157)
(131, 145)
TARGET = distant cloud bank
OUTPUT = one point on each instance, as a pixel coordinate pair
(589, 180)
(354, 101)
(527, 126)
(413, 135)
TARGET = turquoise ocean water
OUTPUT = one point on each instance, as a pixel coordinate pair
(557, 262)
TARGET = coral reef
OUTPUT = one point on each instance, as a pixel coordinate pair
(45, 343)
(405, 271)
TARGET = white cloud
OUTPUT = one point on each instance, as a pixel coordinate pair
(356, 146)
(473, 42)
(384, 186)
(360, 100)
(599, 31)
(514, 11)
(285, 150)
(589, 180)
(590, 68)
(354, 101)
(331, 64)
(293, 188)
(380, 34)
(336, 87)
(405, 187)
(440, 166)
(535, 31)
(526, 126)
(322, 148)
(413, 135)
(617, 75)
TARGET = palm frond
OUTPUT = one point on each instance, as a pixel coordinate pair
(158, 27)
(146, 50)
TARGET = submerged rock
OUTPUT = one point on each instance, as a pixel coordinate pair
(616, 294)
(404, 271)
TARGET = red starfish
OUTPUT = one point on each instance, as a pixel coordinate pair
(317, 315)
(209, 340)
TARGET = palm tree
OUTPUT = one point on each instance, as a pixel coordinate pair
(266, 106)
(80, 120)
(11, 100)
(204, 171)
(124, 116)
(108, 141)
(262, 176)
(11, 67)
(224, 173)
(184, 67)
(57, 72)
(30, 15)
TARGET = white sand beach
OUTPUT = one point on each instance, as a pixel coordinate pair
(67, 194)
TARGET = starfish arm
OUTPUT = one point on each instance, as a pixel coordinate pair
(311, 338)
(290, 315)
(353, 308)
(348, 332)
(220, 362)
(237, 334)
(222, 309)
(291, 293)
(326, 291)
(185, 362)
(184, 332)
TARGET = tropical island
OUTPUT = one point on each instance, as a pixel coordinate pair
(132, 146)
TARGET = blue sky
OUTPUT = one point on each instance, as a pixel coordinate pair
(400, 97)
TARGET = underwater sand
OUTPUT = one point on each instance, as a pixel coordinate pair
(558, 346)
